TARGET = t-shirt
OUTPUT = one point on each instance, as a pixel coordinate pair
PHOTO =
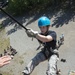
(51, 44)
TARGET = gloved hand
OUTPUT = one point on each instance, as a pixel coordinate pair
(31, 33)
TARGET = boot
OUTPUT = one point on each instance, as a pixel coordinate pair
(25, 72)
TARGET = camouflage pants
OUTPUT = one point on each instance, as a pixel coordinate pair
(52, 64)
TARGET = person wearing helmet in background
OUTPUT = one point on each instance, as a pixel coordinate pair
(48, 38)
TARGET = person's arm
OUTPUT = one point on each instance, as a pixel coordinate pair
(4, 60)
(48, 38)
(44, 38)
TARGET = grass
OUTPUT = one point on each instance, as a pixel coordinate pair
(0, 26)
(21, 62)
(4, 41)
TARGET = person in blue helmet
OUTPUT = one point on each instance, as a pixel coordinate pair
(48, 38)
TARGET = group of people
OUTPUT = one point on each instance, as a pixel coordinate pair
(49, 52)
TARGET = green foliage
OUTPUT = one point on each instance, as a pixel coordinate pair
(18, 7)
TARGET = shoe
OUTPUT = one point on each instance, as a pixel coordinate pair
(25, 71)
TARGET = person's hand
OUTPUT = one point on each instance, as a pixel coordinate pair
(4, 60)
(31, 33)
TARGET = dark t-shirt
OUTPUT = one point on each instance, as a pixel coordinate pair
(51, 44)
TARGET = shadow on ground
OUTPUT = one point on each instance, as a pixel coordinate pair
(60, 18)
(63, 17)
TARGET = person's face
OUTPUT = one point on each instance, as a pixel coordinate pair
(44, 29)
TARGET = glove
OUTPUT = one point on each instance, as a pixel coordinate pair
(31, 33)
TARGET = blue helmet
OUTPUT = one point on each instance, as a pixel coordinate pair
(43, 21)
